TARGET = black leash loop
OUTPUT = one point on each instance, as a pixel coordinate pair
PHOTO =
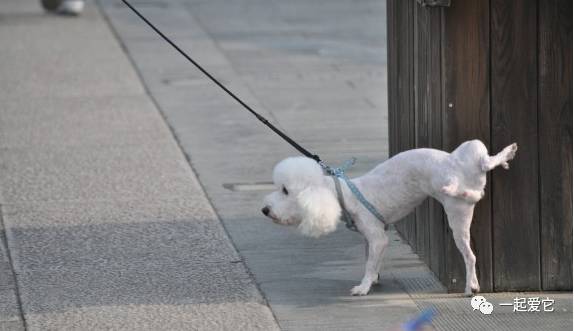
(213, 79)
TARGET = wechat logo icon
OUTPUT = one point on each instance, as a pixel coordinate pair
(479, 303)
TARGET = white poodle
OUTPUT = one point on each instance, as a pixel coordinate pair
(307, 198)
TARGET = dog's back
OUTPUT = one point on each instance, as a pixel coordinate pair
(405, 180)
(402, 182)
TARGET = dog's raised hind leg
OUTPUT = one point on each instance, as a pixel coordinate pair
(459, 220)
(501, 159)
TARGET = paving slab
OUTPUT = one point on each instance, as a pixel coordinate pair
(130, 25)
(10, 310)
(107, 120)
(40, 214)
(111, 244)
(223, 316)
(39, 66)
(98, 173)
(172, 282)
(455, 314)
(11, 326)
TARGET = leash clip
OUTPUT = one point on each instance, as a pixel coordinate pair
(338, 172)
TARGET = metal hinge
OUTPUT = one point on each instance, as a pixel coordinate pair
(434, 3)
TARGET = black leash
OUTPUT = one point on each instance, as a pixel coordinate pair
(213, 79)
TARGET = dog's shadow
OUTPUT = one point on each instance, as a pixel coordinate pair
(307, 273)
(313, 273)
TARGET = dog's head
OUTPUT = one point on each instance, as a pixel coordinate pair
(303, 197)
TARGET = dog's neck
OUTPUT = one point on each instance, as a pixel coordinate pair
(351, 202)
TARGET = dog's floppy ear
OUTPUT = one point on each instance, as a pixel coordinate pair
(321, 211)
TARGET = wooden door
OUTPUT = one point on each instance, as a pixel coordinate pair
(499, 71)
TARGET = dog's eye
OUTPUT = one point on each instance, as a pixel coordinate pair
(285, 191)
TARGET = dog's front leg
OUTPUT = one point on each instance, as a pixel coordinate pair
(377, 240)
(375, 282)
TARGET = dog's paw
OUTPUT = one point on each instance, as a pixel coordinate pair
(509, 153)
(470, 291)
(474, 287)
(360, 290)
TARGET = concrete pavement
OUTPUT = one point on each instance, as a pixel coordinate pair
(103, 223)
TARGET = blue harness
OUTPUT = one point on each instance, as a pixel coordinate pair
(339, 173)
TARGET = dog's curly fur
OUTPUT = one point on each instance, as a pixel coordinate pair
(306, 197)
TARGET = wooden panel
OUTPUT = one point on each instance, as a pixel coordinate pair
(466, 63)
(555, 137)
(437, 225)
(421, 90)
(394, 53)
(514, 119)
(407, 127)
(401, 63)
(499, 71)
(392, 72)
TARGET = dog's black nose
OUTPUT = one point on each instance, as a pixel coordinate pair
(265, 210)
